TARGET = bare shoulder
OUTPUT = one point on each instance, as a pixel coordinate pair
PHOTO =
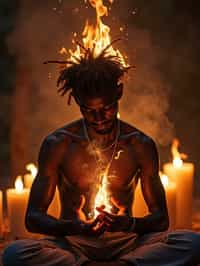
(140, 140)
(59, 139)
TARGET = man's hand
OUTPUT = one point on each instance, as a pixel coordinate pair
(92, 227)
(115, 222)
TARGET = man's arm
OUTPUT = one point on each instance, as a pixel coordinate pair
(37, 220)
(152, 189)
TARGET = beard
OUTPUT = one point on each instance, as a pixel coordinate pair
(103, 129)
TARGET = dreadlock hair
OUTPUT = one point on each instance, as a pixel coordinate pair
(90, 75)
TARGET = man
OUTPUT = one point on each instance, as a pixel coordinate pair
(74, 158)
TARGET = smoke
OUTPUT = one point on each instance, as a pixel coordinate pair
(42, 28)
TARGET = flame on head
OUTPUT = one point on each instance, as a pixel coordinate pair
(19, 184)
(94, 55)
(32, 168)
(177, 156)
(97, 38)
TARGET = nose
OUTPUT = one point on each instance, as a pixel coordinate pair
(99, 116)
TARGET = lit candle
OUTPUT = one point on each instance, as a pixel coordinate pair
(29, 177)
(182, 174)
(170, 193)
(17, 199)
(1, 212)
(139, 208)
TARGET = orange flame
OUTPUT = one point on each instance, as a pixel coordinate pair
(19, 186)
(102, 196)
(177, 156)
(97, 37)
(32, 169)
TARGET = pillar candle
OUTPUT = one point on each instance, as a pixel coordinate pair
(182, 175)
(17, 200)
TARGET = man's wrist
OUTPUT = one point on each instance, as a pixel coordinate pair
(131, 226)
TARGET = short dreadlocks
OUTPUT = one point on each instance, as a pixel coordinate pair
(90, 75)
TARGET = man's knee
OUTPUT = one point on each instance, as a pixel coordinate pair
(12, 254)
(189, 239)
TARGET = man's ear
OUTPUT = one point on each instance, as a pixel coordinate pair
(119, 91)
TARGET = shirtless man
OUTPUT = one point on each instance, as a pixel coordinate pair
(71, 158)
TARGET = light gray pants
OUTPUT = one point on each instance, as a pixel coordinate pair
(176, 248)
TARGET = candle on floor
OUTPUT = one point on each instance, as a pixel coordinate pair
(182, 174)
(170, 193)
(17, 200)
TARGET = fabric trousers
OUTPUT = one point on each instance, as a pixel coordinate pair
(169, 248)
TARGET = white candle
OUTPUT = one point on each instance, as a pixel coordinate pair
(183, 177)
(139, 208)
(182, 174)
(170, 193)
(17, 199)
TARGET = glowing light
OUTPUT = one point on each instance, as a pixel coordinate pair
(177, 156)
(19, 184)
(102, 196)
(63, 51)
(32, 168)
(164, 179)
(96, 37)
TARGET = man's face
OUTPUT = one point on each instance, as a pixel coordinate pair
(100, 113)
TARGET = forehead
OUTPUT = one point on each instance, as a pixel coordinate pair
(97, 102)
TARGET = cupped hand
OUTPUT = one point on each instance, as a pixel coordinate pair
(119, 222)
(89, 227)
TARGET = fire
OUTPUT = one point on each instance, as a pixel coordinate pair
(102, 196)
(177, 156)
(32, 168)
(95, 38)
(19, 184)
(164, 179)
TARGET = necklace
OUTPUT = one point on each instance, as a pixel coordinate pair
(103, 167)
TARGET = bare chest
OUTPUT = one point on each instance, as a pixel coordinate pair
(83, 168)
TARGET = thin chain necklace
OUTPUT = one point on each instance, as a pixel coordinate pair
(97, 151)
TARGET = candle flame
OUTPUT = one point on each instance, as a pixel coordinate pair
(164, 179)
(19, 184)
(118, 115)
(177, 156)
(102, 197)
(95, 38)
(32, 168)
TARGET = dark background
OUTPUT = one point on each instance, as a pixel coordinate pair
(161, 38)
